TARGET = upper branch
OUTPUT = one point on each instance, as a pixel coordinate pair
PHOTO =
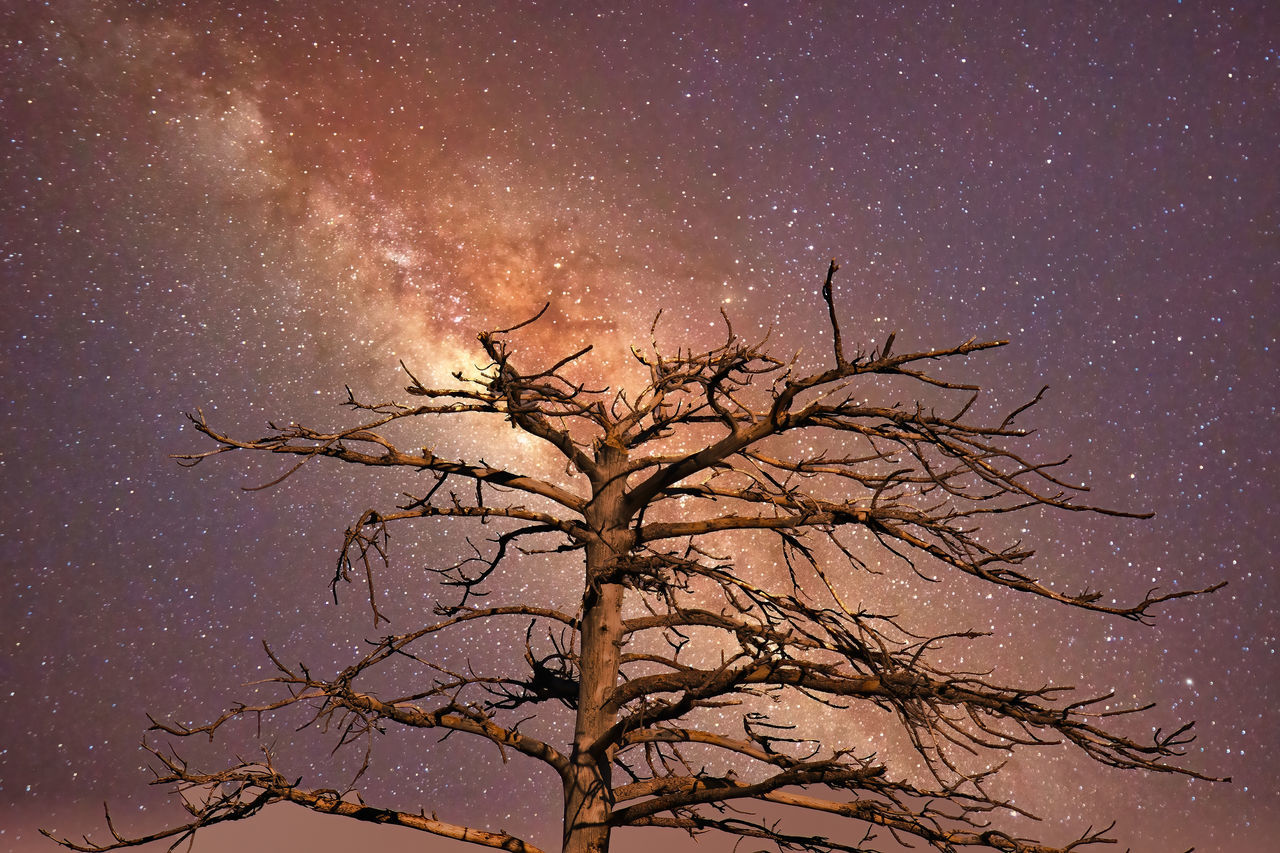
(748, 427)
(351, 445)
(530, 399)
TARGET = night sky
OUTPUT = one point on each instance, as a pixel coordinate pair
(215, 205)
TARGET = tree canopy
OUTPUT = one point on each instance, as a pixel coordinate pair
(681, 677)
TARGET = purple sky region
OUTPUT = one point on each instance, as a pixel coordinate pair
(244, 207)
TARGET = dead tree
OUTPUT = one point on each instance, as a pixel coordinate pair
(719, 446)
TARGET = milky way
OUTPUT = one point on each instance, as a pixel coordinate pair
(244, 210)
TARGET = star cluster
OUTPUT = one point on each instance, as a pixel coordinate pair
(244, 207)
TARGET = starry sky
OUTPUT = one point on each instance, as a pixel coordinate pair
(244, 207)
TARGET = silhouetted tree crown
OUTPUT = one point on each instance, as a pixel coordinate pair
(680, 667)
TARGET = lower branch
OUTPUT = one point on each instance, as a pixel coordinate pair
(326, 802)
(243, 791)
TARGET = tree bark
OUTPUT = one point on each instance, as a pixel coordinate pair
(588, 787)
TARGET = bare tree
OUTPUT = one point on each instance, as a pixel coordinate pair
(728, 445)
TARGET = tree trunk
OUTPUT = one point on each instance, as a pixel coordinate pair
(588, 790)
